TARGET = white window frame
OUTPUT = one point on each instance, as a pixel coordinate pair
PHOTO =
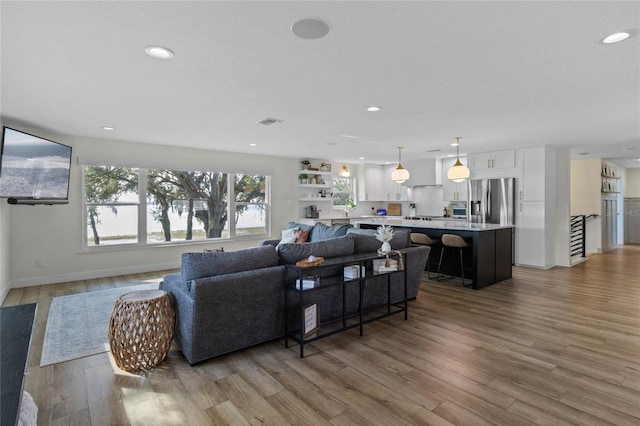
(142, 213)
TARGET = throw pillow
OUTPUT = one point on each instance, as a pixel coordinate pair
(323, 232)
(301, 235)
(288, 236)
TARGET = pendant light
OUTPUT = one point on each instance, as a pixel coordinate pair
(458, 172)
(345, 171)
(400, 174)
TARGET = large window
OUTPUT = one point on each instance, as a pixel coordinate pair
(126, 205)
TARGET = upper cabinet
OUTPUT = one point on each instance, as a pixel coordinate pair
(493, 164)
(426, 172)
(453, 191)
(375, 184)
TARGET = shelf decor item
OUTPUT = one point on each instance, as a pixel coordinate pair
(311, 319)
(384, 234)
(305, 164)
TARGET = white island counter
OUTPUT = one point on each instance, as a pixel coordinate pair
(453, 225)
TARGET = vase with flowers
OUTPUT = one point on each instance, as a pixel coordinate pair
(385, 234)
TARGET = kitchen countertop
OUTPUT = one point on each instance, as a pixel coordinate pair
(454, 225)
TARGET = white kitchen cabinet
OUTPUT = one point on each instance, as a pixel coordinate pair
(425, 172)
(530, 234)
(453, 191)
(535, 210)
(370, 181)
(493, 160)
(375, 184)
(391, 190)
(532, 174)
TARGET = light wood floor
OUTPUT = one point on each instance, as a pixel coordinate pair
(549, 347)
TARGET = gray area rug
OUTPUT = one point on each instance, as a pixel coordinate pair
(78, 324)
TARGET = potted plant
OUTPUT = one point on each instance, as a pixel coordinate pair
(305, 164)
(348, 205)
(304, 178)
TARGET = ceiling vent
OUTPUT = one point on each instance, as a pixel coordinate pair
(268, 121)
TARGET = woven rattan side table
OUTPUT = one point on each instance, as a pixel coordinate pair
(141, 329)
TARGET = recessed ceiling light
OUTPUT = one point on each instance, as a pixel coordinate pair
(374, 108)
(108, 128)
(158, 52)
(310, 29)
(616, 37)
(629, 149)
(450, 155)
(252, 144)
(455, 144)
(360, 158)
(387, 162)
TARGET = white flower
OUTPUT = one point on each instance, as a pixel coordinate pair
(384, 233)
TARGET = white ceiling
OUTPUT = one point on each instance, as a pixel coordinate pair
(498, 74)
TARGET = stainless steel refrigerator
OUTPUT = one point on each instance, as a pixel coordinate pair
(492, 201)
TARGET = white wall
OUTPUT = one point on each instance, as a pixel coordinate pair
(631, 185)
(550, 208)
(562, 207)
(4, 249)
(428, 200)
(586, 199)
(54, 233)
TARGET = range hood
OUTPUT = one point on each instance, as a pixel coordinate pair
(425, 172)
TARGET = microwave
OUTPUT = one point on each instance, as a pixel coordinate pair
(459, 212)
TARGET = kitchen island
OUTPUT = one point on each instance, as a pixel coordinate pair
(490, 258)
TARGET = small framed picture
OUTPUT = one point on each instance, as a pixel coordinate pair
(325, 167)
(311, 319)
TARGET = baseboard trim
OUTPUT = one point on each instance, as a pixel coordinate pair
(89, 275)
(534, 266)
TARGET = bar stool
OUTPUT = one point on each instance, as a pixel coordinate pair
(420, 239)
(455, 242)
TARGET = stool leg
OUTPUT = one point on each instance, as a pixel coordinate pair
(440, 264)
(462, 267)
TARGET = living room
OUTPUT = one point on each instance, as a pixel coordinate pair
(44, 246)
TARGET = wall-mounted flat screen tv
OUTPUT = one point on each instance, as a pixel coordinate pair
(33, 170)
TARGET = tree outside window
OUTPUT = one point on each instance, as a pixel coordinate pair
(175, 206)
(344, 192)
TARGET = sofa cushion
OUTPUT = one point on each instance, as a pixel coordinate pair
(365, 240)
(200, 265)
(323, 232)
(293, 225)
(291, 253)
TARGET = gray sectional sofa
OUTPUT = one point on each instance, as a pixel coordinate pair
(225, 301)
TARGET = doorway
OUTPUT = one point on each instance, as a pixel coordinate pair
(609, 223)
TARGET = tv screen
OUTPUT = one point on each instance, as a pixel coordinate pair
(33, 169)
